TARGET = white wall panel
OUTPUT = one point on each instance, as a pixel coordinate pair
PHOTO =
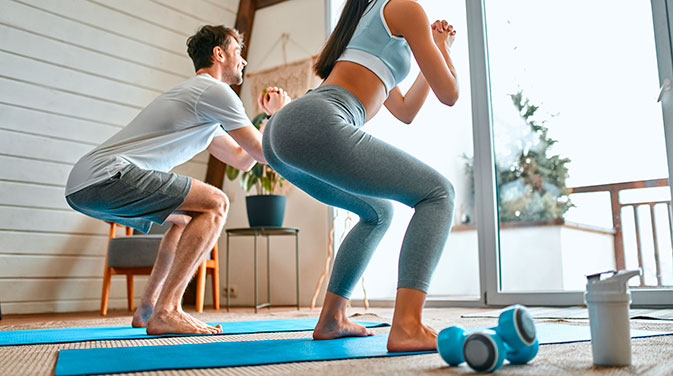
(33, 171)
(38, 122)
(66, 30)
(118, 18)
(51, 221)
(32, 195)
(204, 11)
(67, 289)
(24, 42)
(23, 68)
(33, 96)
(42, 147)
(17, 242)
(73, 74)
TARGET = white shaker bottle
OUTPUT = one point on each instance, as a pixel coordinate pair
(608, 302)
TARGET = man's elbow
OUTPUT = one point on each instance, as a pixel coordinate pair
(259, 157)
(247, 166)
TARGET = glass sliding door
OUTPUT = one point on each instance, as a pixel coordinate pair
(573, 167)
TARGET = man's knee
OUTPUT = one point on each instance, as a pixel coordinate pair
(219, 207)
(178, 221)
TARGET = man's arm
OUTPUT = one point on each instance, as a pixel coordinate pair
(227, 148)
(242, 147)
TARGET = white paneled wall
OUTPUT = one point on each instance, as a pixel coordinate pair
(72, 73)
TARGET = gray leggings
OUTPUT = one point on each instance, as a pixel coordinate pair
(315, 143)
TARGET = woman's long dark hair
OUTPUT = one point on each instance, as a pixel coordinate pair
(342, 34)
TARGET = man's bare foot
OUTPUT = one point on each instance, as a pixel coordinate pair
(200, 323)
(176, 322)
(339, 327)
(416, 337)
(142, 316)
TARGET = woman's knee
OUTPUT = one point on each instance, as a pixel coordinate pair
(382, 213)
(441, 192)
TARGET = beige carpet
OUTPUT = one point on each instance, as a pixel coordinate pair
(651, 356)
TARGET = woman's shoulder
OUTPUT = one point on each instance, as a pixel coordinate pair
(405, 13)
(411, 4)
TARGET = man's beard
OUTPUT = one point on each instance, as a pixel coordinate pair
(239, 78)
(235, 78)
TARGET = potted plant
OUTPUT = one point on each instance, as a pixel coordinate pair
(265, 209)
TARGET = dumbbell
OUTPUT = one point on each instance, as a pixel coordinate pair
(486, 349)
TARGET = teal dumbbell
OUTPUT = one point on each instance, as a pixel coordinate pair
(485, 350)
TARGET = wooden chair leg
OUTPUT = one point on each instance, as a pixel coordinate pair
(107, 277)
(201, 286)
(129, 291)
(216, 278)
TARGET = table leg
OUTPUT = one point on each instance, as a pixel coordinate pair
(268, 274)
(227, 272)
(296, 249)
(255, 272)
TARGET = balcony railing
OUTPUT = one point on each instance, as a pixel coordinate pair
(618, 207)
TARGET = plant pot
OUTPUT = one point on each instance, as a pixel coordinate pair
(265, 210)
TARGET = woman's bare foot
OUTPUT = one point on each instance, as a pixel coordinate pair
(417, 337)
(408, 332)
(334, 323)
(142, 316)
(177, 322)
(339, 327)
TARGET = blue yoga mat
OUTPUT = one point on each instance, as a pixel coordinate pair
(249, 353)
(41, 336)
(218, 354)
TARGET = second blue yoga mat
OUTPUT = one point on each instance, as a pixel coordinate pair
(249, 353)
(65, 335)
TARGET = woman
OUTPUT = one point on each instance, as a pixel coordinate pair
(316, 143)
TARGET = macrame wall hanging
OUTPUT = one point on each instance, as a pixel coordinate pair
(295, 77)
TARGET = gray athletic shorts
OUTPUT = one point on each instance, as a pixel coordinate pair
(133, 197)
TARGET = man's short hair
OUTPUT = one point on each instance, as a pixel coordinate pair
(200, 45)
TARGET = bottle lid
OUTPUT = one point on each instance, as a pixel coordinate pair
(616, 283)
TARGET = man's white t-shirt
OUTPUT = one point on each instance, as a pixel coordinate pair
(176, 126)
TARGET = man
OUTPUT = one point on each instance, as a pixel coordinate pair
(126, 179)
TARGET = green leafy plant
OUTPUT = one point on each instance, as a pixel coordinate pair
(261, 176)
(533, 187)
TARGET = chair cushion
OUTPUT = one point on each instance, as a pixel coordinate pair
(133, 251)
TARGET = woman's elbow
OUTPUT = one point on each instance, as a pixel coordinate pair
(450, 99)
(408, 119)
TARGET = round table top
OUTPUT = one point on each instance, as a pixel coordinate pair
(262, 231)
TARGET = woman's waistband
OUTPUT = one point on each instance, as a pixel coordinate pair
(343, 99)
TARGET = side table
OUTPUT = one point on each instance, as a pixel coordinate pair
(266, 232)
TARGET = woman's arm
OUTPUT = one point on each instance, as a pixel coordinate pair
(405, 107)
(430, 45)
